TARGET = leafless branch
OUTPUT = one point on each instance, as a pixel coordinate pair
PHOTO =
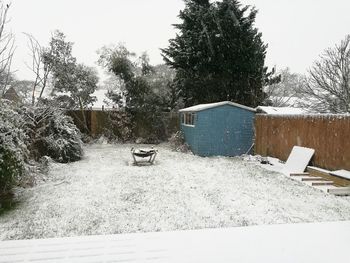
(39, 67)
(282, 94)
(328, 84)
(7, 48)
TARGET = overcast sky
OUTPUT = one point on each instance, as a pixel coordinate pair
(297, 31)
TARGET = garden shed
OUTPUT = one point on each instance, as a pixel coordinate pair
(223, 128)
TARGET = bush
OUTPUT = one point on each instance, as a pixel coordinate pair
(53, 134)
(120, 126)
(11, 169)
(13, 150)
(32, 132)
(150, 127)
(178, 143)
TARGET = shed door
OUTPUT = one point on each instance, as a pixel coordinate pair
(233, 134)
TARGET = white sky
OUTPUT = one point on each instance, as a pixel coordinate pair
(297, 31)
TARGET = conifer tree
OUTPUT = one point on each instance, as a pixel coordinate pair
(218, 53)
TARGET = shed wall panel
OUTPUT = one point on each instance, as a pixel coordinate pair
(224, 130)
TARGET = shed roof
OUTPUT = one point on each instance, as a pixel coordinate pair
(201, 107)
(280, 110)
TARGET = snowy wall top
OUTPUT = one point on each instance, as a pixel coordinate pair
(328, 116)
(202, 107)
(280, 110)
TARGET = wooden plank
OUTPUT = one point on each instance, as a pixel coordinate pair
(337, 180)
(312, 178)
(341, 173)
(322, 183)
(342, 191)
(311, 170)
(299, 174)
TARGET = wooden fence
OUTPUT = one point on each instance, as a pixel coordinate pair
(99, 121)
(329, 135)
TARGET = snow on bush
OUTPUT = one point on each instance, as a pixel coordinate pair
(28, 133)
(13, 150)
(53, 134)
(178, 143)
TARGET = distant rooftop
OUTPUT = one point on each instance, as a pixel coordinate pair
(202, 107)
(12, 95)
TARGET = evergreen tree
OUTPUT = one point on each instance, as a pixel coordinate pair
(218, 54)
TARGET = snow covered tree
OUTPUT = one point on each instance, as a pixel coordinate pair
(79, 86)
(72, 84)
(162, 85)
(218, 54)
(133, 72)
(24, 90)
(285, 91)
(328, 84)
(137, 91)
(54, 62)
(76, 93)
(43, 61)
(7, 48)
(59, 55)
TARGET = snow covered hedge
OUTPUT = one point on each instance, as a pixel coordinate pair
(13, 148)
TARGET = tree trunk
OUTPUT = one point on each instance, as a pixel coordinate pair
(86, 126)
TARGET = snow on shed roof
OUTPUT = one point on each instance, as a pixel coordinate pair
(280, 110)
(201, 107)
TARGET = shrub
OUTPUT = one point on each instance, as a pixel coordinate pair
(11, 169)
(33, 132)
(13, 150)
(120, 126)
(150, 127)
(53, 134)
(178, 143)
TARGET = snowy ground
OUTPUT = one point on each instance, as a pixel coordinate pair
(105, 194)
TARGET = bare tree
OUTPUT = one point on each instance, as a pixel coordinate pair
(7, 48)
(41, 67)
(286, 91)
(328, 84)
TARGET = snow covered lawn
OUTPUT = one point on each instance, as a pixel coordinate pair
(105, 194)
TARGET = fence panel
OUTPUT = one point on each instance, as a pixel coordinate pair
(99, 121)
(329, 135)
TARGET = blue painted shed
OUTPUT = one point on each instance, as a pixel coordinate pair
(223, 128)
